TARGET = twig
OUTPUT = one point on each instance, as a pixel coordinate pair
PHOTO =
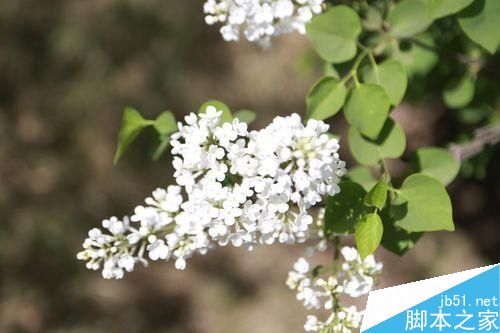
(483, 136)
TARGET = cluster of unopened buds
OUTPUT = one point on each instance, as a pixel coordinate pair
(354, 278)
(259, 20)
(234, 186)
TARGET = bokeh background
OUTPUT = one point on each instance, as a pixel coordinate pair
(67, 69)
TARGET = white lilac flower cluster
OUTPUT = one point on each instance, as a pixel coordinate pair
(259, 20)
(234, 186)
(355, 278)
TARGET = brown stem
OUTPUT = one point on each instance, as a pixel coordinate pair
(483, 137)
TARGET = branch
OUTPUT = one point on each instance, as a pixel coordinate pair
(483, 137)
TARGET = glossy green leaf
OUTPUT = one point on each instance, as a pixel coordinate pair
(377, 196)
(481, 22)
(363, 176)
(369, 233)
(423, 205)
(391, 75)
(367, 108)
(459, 94)
(325, 98)
(334, 33)
(391, 143)
(409, 18)
(220, 106)
(246, 116)
(436, 162)
(441, 8)
(345, 209)
(132, 125)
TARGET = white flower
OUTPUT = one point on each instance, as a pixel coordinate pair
(309, 297)
(301, 266)
(115, 226)
(111, 270)
(311, 324)
(180, 264)
(259, 20)
(356, 278)
(233, 187)
(211, 114)
(349, 253)
(283, 9)
(157, 249)
(358, 285)
(126, 262)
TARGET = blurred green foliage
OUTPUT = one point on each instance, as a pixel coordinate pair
(67, 69)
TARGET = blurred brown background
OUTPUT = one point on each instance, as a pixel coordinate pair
(67, 69)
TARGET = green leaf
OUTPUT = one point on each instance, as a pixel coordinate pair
(334, 33)
(325, 98)
(391, 75)
(481, 23)
(373, 19)
(472, 115)
(132, 125)
(377, 195)
(165, 123)
(409, 18)
(423, 205)
(459, 93)
(363, 176)
(246, 116)
(441, 8)
(330, 70)
(369, 234)
(220, 106)
(418, 60)
(391, 143)
(367, 108)
(164, 144)
(396, 239)
(436, 162)
(345, 209)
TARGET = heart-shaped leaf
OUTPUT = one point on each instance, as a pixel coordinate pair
(325, 98)
(423, 205)
(391, 143)
(441, 8)
(436, 162)
(334, 33)
(409, 18)
(391, 75)
(367, 108)
(481, 22)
